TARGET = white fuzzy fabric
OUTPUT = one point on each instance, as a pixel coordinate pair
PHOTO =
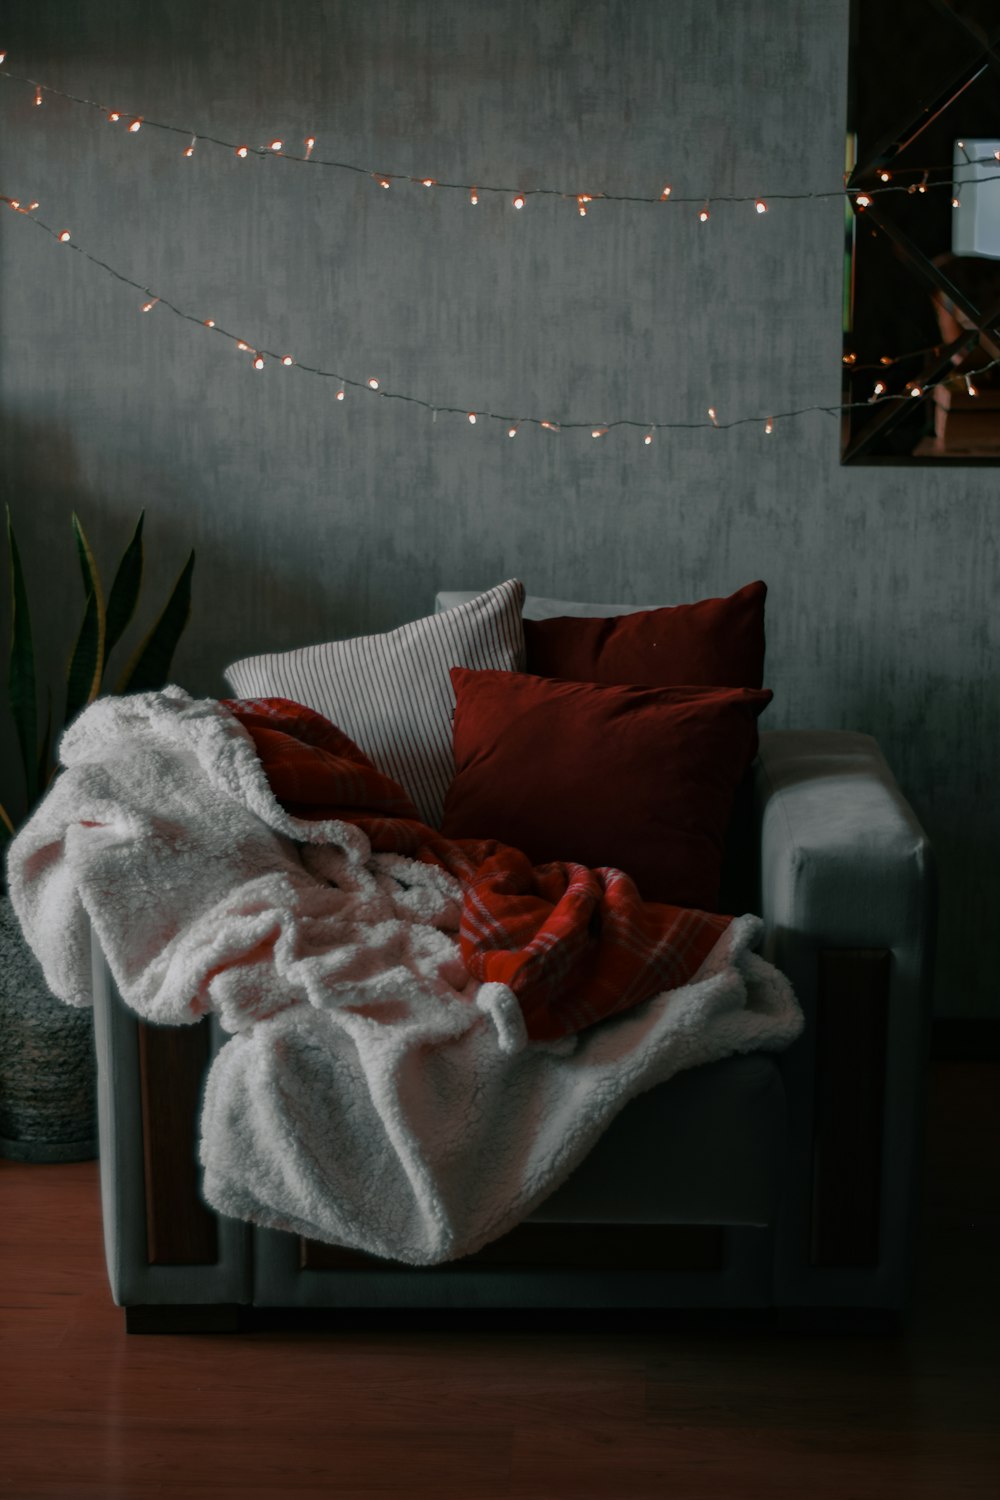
(371, 1094)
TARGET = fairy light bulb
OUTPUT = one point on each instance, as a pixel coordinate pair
(340, 395)
(31, 207)
(996, 156)
(550, 426)
(598, 432)
(581, 204)
(382, 181)
(373, 384)
(863, 200)
(258, 361)
(713, 414)
(242, 152)
(769, 426)
(63, 236)
(885, 176)
(286, 360)
(760, 206)
(243, 347)
(472, 418)
(970, 387)
(518, 200)
(667, 190)
(648, 438)
(879, 389)
(704, 215)
(275, 145)
(427, 181)
(915, 389)
(114, 116)
(885, 359)
(473, 196)
(208, 322)
(512, 429)
(3, 58)
(148, 306)
(956, 202)
(134, 126)
(15, 203)
(309, 143)
(849, 359)
(189, 150)
(38, 96)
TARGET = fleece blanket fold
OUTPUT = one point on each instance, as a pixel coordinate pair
(406, 1073)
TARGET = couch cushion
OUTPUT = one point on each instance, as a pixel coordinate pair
(391, 693)
(706, 1147)
(538, 608)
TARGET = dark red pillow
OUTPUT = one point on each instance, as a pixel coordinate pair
(714, 643)
(638, 778)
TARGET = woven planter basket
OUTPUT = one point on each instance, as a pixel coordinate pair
(48, 1094)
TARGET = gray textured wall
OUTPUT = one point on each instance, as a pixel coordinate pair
(313, 518)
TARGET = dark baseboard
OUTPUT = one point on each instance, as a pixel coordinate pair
(973, 1040)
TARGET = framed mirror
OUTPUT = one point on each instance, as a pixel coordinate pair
(921, 357)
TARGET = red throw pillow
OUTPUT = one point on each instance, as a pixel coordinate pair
(716, 642)
(641, 779)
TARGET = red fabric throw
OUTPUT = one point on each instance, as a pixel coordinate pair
(713, 643)
(574, 945)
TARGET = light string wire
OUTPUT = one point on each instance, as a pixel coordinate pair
(859, 195)
(373, 386)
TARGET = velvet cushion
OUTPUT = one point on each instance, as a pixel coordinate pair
(715, 642)
(641, 779)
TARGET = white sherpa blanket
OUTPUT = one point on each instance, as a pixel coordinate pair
(371, 1094)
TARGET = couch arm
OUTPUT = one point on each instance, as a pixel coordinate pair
(848, 897)
(843, 857)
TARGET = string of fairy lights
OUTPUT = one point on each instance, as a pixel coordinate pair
(921, 180)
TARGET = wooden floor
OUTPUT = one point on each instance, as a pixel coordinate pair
(87, 1413)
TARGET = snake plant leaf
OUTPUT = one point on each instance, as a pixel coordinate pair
(46, 770)
(21, 672)
(124, 591)
(150, 667)
(86, 665)
(84, 662)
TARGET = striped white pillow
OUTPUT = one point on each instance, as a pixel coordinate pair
(392, 693)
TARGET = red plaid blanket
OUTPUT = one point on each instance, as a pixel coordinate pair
(574, 945)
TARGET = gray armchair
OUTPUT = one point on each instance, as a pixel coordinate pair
(757, 1182)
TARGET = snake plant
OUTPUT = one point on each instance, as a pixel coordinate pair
(104, 624)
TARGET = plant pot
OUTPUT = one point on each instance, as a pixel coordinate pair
(48, 1071)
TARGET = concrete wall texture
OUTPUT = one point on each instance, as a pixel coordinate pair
(315, 518)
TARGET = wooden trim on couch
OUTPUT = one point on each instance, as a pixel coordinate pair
(851, 1029)
(180, 1229)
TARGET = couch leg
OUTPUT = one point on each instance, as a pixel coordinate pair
(165, 1317)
